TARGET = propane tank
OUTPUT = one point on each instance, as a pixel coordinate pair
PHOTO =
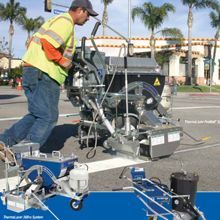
(79, 178)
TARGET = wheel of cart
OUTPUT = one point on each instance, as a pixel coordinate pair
(83, 133)
(76, 204)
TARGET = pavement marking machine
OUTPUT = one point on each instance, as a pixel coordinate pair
(41, 176)
(176, 202)
(120, 102)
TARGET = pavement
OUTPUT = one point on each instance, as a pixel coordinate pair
(199, 116)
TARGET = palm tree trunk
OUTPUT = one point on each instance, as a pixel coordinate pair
(214, 54)
(104, 19)
(11, 33)
(28, 39)
(189, 67)
(152, 45)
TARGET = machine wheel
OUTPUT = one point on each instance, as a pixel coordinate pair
(76, 204)
(82, 133)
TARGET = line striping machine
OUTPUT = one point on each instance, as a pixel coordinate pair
(42, 176)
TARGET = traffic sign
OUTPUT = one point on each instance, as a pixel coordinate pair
(57, 11)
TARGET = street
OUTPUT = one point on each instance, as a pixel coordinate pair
(198, 114)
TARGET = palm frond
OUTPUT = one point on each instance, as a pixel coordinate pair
(11, 11)
(152, 16)
(215, 17)
(199, 4)
(137, 12)
(167, 7)
(172, 32)
(106, 2)
(30, 24)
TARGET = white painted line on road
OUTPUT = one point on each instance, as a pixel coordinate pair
(94, 167)
(77, 114)
(196, 107)
(197, 148)
(113, 163)
(10, 119)
(18, 118)
(69, 115)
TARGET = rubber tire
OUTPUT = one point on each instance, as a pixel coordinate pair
(153, 218)
(76, 207)
(84, 132)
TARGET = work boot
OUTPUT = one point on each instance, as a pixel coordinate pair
(6, 153)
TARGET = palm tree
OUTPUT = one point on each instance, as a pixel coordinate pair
(30, 25)
(11, 12)
(105, 14)
(3, 46)
(215, 23)
(153, 17)
(197, 4)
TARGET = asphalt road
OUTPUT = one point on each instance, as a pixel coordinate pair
(199, 115)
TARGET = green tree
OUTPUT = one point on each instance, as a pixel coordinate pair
(11, 12)
(215, 23)
(163, 57)
(30, 25)
(193, 4)
(153, 18)
(16, 72)
(105, 15)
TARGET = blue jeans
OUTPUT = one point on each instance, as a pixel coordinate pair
(42, 96)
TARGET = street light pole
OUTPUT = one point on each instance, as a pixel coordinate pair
(11, 33)
(211, 69)
(129, 19)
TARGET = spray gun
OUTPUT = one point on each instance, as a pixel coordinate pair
(128, 53)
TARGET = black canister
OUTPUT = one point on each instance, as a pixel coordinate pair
(183, 184)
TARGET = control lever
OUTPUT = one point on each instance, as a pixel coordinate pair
(91, 68)
(95, 28)
(83, 46)
(96, 48)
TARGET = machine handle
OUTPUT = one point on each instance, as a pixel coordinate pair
(43, 155)
(95, 28)
(56, 154)
(83, 49)
(83, 44)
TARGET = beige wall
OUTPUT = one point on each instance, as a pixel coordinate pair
(4, 62)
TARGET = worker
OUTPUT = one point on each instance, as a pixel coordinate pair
(46, 63)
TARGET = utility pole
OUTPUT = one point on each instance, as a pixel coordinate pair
(211, 67)
(129, 19)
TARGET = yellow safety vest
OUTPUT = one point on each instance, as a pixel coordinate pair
(58, 31)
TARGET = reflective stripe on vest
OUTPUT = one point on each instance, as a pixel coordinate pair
(55, 36)
(68, 52)
(35, 54)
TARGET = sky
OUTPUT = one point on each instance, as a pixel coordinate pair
(118, 19)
